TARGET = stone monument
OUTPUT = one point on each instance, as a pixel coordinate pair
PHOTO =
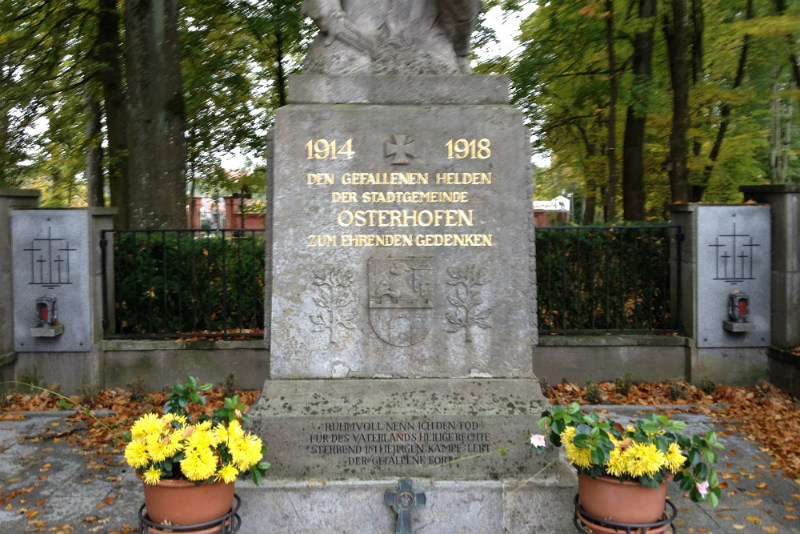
(402, 303)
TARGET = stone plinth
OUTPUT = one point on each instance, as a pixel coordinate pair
(450, 429)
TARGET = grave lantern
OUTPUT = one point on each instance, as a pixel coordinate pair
(738, 314)
(738, 304)
(47, 319)
(46, 311)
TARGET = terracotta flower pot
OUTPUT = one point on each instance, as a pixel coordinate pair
(628, 502)
(180, 502)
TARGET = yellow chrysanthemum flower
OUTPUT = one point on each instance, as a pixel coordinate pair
(616, 462)
(246, 452)
(235, 430)
(199, 464)
(152, 476)
(170, 417)
(146, 425)
(221, 433)
(227, 473)
(136, 454)
(675, 458)
(643, 459)
(157, 447)
(579, 457)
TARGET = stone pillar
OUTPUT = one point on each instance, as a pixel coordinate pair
(56, 257)
(725, 251)
(10, 199)
(784, 199)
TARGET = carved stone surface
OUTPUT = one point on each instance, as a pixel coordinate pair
(456, 213)
(470, 429)
(391, 36)
(50, 249)
(401, 299)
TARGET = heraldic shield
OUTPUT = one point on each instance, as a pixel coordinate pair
(401, 299)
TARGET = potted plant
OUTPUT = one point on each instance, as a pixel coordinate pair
(188, 467)
(618, 464)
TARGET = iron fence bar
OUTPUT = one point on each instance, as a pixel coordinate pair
(649, 270)
(563, 281)
(591, 275)
(179, 269)
(164, 269)
(209, 272)
(149, 281)
(224, 284)
(104, 278)
(678, 319)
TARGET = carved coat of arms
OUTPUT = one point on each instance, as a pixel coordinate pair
(401, 299)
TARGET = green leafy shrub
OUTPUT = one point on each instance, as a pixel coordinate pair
(174, 283)
(604, 279)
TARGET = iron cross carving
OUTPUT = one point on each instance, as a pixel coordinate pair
(404, 500)
(400, 148)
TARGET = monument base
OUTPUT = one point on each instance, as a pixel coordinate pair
(461, 429)
(336, 447)
(542, 504)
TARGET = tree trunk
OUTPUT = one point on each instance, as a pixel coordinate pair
(725, 111)
(633, 197)
(157, 149)
(4, 140)
(280, 71)
(110, 76)
(698, 66)
(611, 193)
(676, 32)
(93, 171)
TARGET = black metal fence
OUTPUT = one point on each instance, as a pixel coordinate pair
(184, 283)
(607, 279)
(210, 283)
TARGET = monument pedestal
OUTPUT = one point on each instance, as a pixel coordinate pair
(402, 312)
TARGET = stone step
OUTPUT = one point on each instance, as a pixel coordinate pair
(544, 504)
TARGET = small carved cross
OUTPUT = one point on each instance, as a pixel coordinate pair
(401, 147)
(404, 500)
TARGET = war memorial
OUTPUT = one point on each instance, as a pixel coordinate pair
(403, 317)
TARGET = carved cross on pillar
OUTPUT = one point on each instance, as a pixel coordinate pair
(404, 500)
(401, 148)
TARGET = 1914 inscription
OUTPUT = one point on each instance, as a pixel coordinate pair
(399, 443)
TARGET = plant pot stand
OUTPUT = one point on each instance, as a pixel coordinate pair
(587, 523)
(227, 524)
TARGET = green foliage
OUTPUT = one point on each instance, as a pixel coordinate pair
(190, 392)
(708, 386)
(678, 389)
(602, 437)
(603, 279)
(624, 383)
(561, 81)
(593, 393)
(137, 388)
(175, 283)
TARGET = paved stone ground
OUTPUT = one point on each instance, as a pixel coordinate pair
(49, 485)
